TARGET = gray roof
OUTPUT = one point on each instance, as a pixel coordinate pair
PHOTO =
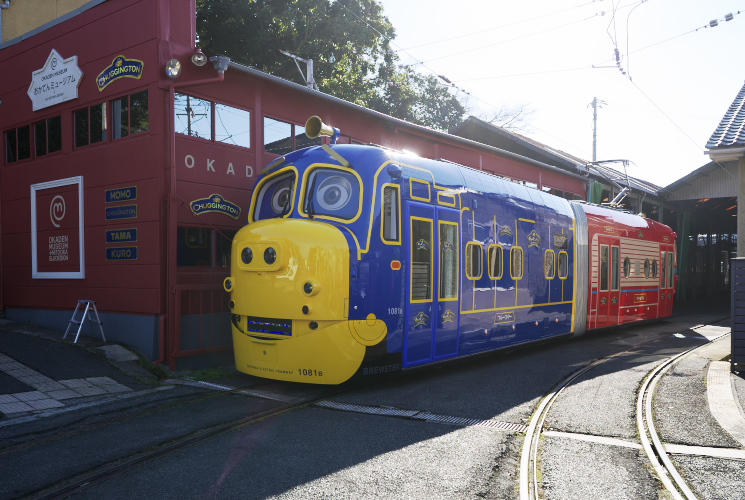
(731, 130)
(563, 159)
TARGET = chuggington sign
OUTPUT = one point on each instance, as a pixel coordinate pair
(121, 67)
(215, 203)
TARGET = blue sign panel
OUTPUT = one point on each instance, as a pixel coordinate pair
(121, 236)
(215, 203)
(121, 194)
(121, 212)
(122, 253)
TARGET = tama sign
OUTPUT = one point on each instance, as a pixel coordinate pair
(56, 82)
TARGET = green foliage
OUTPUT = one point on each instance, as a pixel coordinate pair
(355, 33)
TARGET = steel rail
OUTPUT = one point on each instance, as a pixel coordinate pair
(528, 474)
(97, 476)
(650, 438)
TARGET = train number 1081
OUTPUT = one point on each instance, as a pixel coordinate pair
(310, 373)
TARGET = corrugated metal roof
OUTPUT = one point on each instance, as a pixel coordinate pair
(731, 130)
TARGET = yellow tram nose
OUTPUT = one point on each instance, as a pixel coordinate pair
(292, 269)
(290, 301)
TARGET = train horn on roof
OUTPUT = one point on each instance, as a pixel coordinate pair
(315, 127)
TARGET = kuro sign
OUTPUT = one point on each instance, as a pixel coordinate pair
(56, 82)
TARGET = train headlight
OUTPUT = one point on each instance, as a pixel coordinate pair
(270, 256)
(247, 255)
(228, 284)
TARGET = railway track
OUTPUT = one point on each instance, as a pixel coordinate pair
(529, 484)
(96, 475)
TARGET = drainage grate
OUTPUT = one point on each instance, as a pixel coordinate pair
(423, 415)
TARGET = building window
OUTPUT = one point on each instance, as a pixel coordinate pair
(281, 137)
(561, 194)
(204, 247)
(90, 125)
(193, 116)
(18, 144)
(217, 122)
(232, 125)
(130, 115)
(48, 136)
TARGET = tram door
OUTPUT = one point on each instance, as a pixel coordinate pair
(608, 282)
(432, 310)
(667, 279)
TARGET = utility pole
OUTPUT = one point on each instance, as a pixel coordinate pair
(596, 103)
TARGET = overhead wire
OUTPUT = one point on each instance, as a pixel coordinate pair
(499, 27)
(616, 7)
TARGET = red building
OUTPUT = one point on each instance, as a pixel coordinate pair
(123, 185)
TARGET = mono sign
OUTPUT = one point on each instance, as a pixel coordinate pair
(57, 81)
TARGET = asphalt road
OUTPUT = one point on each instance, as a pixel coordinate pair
(316, 452)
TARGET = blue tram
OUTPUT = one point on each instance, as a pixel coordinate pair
(359, 261)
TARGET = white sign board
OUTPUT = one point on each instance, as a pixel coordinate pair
(56, 82)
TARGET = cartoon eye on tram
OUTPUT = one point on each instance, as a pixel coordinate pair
(359, 262)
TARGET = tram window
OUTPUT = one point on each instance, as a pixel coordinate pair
(276, 196)
(90, 125)
(604, 267)
(232, 125)
(203, 247)
(670, 269)
(496, 261)
(549, 264)
(663, 269)
(563, 265)
(448, 261)
(332, 192)
(646, 268)
(616, 268)
(655, 268)
(129, 115)
(193, 116)
(626, 267)
(421, 259)
(516, 263)
(474, 260)
(391, 210)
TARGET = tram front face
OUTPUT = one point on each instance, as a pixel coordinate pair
(290, 275)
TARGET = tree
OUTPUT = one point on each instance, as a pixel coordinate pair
(349, 42)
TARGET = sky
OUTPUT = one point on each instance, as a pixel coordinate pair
(553, 57)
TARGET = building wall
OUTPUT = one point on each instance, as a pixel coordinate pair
(23, 16)
(161, 291)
